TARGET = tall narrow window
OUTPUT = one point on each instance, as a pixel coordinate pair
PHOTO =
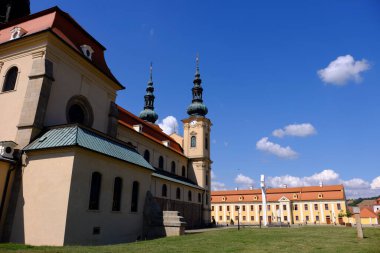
(199, 198)
(161, 163)
(206, 200)
(206, 179)
(189, 196)
(10, 79)
(135, 196)
(178, 193)
(164, 190)
(118, 184)
(183, 171)
(206, 142)
(173, 167)
(96, 181)
(193, 141)
(147, 156)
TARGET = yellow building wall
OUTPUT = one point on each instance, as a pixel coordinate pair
(290, 213)
(156, 190)
(115, 226)
(20, 57)
(42, 204)
(75, 76)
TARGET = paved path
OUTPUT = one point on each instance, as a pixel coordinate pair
(194, 231)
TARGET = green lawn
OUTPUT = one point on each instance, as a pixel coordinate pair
(303, 239)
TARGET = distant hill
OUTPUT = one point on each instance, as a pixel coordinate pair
(355, 202)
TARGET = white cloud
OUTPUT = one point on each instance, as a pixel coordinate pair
(375, 183)
(356, 183)
(288, 180)
(324, 176)
(354, 188)
(300, 130)
(169, 125)
(342, 70)
(218, 186)
(284, 152)
(244, 180)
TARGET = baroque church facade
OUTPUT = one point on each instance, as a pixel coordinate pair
(75, 167)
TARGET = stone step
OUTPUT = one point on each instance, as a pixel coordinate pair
(170, 213)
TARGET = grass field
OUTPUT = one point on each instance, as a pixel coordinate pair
(303, 239)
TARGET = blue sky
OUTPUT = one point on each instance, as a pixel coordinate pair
(259, 62)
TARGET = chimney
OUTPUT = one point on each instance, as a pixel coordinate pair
(251, 188)
(236, 189)
(284, 186)
(320, 184)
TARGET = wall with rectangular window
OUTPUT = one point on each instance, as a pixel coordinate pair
(123, 189)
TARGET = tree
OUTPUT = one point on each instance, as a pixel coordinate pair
(348, 213)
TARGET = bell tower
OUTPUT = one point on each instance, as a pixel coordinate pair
(196, 143)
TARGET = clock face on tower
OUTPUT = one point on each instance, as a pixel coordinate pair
(193, 123)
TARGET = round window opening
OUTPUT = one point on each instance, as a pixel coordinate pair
(79, 111)
(76, 114)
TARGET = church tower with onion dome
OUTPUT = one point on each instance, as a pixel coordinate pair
(148, 114)
(196, 142)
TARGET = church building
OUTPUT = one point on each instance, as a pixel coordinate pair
(75, 167)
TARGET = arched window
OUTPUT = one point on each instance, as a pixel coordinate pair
(193, 141)
(173, 167)
(164, 191)
(147, 156)
(135, 196)
(178, 193)
(183, 171)
(199, 198)
(10, 79)
(189, 196)
(161, 163)
(206, 142)
(118, 184)
(96, 181)
(79, 110)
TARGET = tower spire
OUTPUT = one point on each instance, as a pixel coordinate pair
(197, 108)
(197, 65)
(148, 114)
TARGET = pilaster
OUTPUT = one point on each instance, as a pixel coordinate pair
(36, 99)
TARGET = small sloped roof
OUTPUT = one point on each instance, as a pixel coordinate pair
(175, 178)
(76, 135)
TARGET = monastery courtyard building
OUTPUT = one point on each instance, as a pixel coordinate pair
(296, 205)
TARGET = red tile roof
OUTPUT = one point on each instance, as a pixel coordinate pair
(62, 25)
(328, 192)
(149, 130)
(365, 212)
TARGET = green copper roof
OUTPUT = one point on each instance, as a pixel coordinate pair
(74, 135)
(176, 179)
